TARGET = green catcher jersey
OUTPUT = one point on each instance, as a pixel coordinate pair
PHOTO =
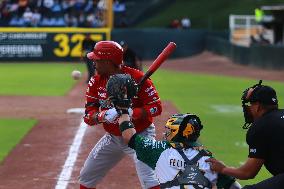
(166, 160)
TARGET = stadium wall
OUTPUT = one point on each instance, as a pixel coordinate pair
(149, 42)
(264, 56)
(64, 44)
(45, 44)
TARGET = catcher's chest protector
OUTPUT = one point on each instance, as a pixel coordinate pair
(191, 175)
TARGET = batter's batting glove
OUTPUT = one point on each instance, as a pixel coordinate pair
(109, 116)
(121, 88)
(130, 112)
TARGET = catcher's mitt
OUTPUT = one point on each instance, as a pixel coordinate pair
(121, 88)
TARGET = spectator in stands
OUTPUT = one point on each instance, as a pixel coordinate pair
(130, 59)
(253, 40)
(46, 7)
(175, 24)
(27, 16)
(71, 20)
(185, 23)
(102, 5)
(5, 14)
(259, 40)
(48, 13)
(263, 40)
(118, 7)
(35, 18)
(22, 6)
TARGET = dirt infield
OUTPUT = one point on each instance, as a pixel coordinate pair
(37, 161)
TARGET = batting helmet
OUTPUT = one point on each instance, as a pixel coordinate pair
(184, 128)
(107, 50)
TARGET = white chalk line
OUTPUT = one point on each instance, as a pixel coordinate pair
(67, 169)
(76, 110)
(225, 108)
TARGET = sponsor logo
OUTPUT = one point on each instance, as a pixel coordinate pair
(102, 95)
(252, 150)
(149, 89)
(153, 110)
(192, 176)
(102, 92)
(152, 93)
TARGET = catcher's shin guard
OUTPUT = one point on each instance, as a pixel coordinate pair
(83, 187)
(155, 187)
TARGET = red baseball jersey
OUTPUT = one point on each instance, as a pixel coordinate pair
(147, 98)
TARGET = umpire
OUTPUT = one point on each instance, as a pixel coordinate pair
(265, 124)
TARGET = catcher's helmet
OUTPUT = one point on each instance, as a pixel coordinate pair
(107, 50)
(184, 128)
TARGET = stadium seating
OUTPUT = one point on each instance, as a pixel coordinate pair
(52, 13)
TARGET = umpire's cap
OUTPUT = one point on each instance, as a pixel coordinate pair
(264, 95)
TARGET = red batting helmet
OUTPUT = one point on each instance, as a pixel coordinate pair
(107, 50)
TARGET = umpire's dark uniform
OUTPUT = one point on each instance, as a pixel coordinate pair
(265, 138)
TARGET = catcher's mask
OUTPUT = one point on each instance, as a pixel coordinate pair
(184, 128)
(257, 93)
(121, 88)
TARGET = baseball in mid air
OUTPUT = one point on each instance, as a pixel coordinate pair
(76, 74)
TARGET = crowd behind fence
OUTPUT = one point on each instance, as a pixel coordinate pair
(52, 13)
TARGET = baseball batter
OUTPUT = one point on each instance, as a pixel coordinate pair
(179, 161)
(108, 57)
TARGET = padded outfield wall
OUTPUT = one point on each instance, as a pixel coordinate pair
(45, 44)
(64, 44)
(263, 56)
(148, 43)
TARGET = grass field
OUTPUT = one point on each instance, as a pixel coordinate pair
(216, 99)
(11, 133)
(49, 79)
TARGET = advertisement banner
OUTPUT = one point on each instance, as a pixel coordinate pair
(46, 44)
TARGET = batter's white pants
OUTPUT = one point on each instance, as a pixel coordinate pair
(107, 153)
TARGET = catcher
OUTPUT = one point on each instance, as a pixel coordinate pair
(178, 161)
(110, 149)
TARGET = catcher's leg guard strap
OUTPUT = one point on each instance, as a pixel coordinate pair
(83, 187)
(155, 187)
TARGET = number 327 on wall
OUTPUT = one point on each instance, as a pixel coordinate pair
(75, 50)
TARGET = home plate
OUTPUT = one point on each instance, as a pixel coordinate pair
(76, 111)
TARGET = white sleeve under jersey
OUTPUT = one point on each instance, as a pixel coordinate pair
(205, 166)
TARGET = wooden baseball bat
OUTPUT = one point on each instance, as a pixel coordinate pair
(168, 50)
